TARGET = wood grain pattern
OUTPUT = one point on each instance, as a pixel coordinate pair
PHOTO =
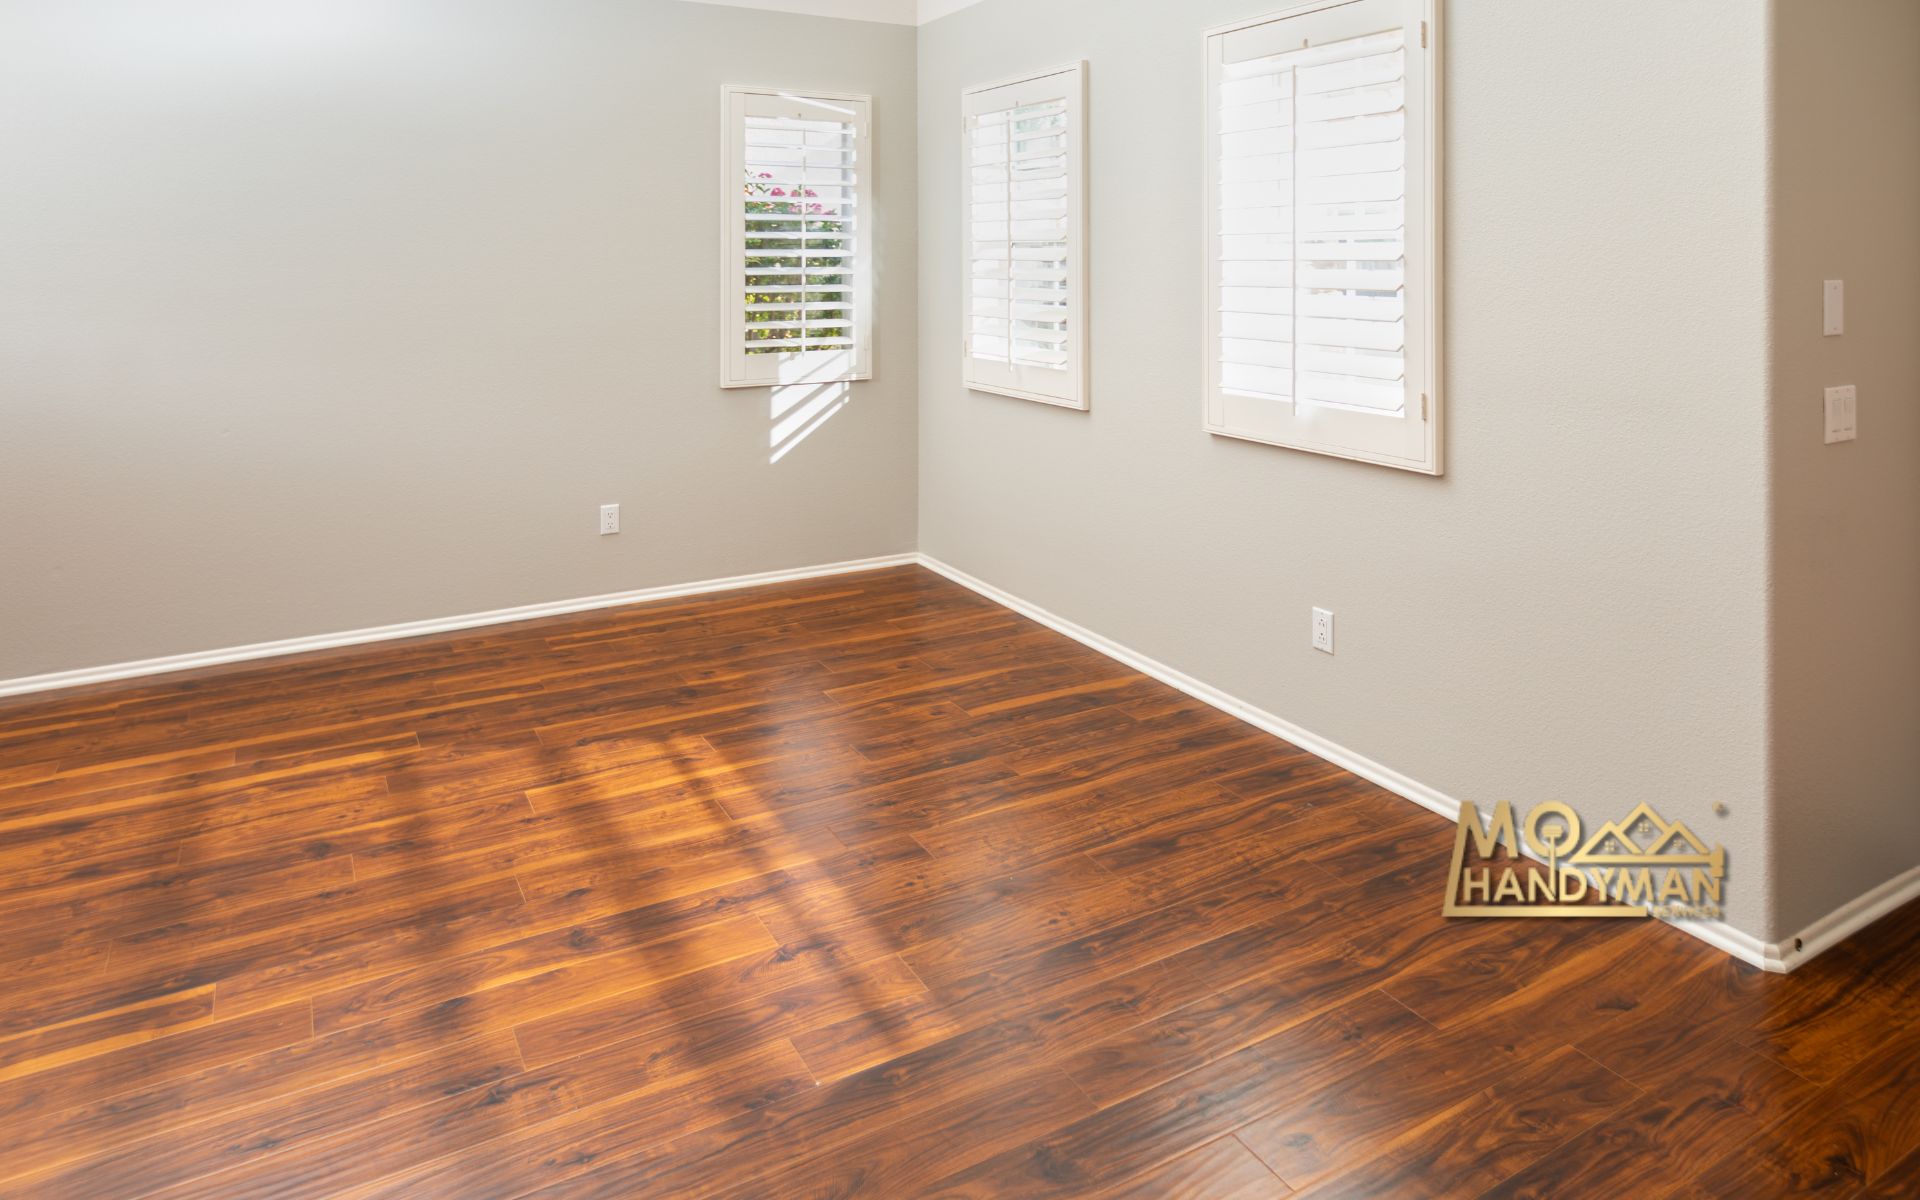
(861, 886)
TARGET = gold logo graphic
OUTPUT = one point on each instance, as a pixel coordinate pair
(1642, 866)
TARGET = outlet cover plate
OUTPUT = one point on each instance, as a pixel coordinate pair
(1323, 630)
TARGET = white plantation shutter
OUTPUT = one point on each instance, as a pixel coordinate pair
(1322, 232)
(1025, 240)
(796, 297)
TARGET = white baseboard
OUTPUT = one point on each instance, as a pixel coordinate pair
(406, 629)
(1206, 693)
(1850, 918)
(1784, 956)
(1778, 957)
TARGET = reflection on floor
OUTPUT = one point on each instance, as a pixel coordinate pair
(861, 885)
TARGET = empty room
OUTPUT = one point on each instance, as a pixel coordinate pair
(1209, 599)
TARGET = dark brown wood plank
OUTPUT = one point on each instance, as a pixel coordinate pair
(1223, 1169)
(1848, 1136)
(1140, 1134)
(1721, 1101)
(1523, 1116)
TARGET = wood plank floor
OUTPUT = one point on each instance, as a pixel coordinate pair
(857, 886)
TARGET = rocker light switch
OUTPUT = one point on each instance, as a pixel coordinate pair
(1841, 415)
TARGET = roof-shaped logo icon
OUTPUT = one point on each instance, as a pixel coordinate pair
(1645, 838)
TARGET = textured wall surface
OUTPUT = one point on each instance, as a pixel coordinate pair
(324, 314)
(1577, 610)
(1846, 518)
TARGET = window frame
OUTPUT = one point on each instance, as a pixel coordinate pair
(1424, 289)
(739, 369)
(1067, 82)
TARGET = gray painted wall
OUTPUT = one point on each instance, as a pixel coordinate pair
(1846, 518)
(324, 314)
(1577, 610)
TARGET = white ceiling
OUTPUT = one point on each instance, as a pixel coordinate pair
(895, 12)
(933, 10)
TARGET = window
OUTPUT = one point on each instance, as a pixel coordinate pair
(1025, 178)
(1322, 245)
(797, 297)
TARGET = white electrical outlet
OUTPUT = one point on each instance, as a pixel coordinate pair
(1842, 414)
(1323, 630)
(609, 519)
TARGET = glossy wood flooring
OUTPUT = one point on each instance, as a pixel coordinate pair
(858, 886)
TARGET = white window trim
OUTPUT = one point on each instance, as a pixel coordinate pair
(1424, 390)
(741, 370)
(1070, 390)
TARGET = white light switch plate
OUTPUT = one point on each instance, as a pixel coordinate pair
(1842, 414)
(1835, 308)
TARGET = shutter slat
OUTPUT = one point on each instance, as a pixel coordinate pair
(1371, 335)
(795, 251)
(1358, 393)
